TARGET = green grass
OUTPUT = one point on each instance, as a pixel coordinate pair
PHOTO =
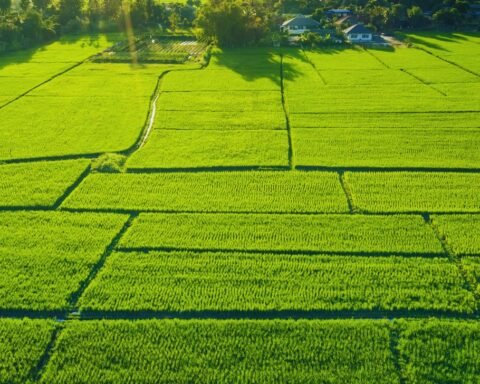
(413, 148)
(187, 281)
(440, 351)
(22, 344)
(414, 191)
(44, 256)
(213, 192)
(222, 352)
(319, 233)
(194, 149)
(37, 184)
(460, 232)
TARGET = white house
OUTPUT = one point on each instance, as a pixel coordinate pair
(338, 12)
(300, 24)
(358, 33)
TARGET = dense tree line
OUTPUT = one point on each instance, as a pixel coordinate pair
(391, 14)
(228, 22)
(32, 22)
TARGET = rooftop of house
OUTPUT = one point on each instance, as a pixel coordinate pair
(301, 20)
(357, 28)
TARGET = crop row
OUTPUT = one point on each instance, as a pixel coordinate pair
(196, 282)
(461, 232)
(44, 256)
(314, 233)
(418, 148)
(414, 191)
(280, 191)
(22, 344)
(37, 184)
(426, 120)
(206, 351)
(196, 148)
(212, 192)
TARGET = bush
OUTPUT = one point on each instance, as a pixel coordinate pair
(109, 163)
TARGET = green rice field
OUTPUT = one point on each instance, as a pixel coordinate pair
(267, 215)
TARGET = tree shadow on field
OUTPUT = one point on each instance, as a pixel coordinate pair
(267, 63)
(428, 44)
(28, 55)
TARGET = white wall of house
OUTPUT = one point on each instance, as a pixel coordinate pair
(296, 30)
(359, 37)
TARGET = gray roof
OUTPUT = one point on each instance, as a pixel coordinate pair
(357, 28)
(301, 20)
(339, 11)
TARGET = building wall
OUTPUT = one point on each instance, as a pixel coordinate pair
(299, 31)
(359, 37)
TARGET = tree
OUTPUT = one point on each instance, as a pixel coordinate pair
(41, 5)
(233, 22)
(5, 5)
(69, 10)
(415, 17)
(450, 17)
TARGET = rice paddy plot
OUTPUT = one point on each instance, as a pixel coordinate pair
(15, 86)
(226, 351)
(44, 256)
(461, 232)
(196, 282)
(245, 60)
(23, 70)
(414, 191)
(37, 184)
(22, 345)
(445, 75)
(197, 149)
(68, 49)
(300, 233)
(222, 80)
(384, 148)
(343, 59)
(435, 351)
(231, 101)
(220, 120)
(212, 192)
(37, 126)
(409, 58)
(366, 77)
(106, 81)
(423, 120)
(365, 99)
